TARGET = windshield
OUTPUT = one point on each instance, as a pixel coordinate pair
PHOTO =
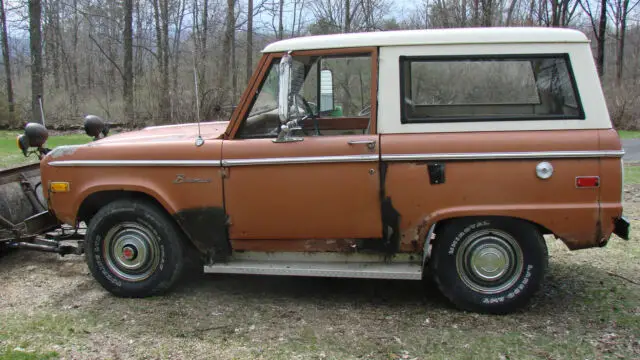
(267, 99)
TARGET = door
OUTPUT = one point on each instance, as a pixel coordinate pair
(323, 184)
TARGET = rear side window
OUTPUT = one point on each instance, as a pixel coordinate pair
(488, 88)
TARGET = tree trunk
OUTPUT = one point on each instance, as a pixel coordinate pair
(161, 17)
(165, 62)
(127, 78)
(49, 29)
(76, 29)
(476, 12)
(621, 39)
(532, 7)
(7, 58)
(226, 45)
(512, 6)
(280, 24)
(234, 67)
(139, 54)
(347, 16)
(177, 40)
(602, 33)
(203, 46)
(249, 61)
(35, 46)
(487, 13)
(463, 13)
(56, 44)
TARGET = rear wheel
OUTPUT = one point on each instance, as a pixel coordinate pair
(489, 265)
(134, 249)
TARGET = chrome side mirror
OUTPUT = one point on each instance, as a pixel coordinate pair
(284, 87)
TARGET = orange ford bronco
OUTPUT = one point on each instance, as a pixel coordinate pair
(385, 155)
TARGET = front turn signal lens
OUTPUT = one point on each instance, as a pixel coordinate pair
(59, 187)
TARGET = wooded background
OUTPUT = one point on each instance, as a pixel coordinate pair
(132, 61)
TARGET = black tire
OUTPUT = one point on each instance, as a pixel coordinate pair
(489, 265)
(134, 249)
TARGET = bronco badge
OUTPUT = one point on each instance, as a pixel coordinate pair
(181, 179)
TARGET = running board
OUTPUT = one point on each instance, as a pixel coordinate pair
(359, 270)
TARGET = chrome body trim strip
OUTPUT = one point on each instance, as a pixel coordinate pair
(366, 270)
(302, 160)
(129, 163)
(504, 155)
(343, 159)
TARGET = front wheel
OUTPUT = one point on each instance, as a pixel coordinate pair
(489, 265)
(134, 249)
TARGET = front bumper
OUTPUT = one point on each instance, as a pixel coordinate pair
(621, 227)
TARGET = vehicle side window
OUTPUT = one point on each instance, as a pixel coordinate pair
(332, 95)
(351, 85)
(263, 119)
(338, 91)
(488, 88)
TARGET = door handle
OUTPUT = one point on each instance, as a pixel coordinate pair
(371, 144)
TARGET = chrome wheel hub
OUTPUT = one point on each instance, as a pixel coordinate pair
(489, 261)
(131, 251)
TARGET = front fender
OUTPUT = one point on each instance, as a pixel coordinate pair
(158, 183)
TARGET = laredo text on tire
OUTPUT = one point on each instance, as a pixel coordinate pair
(489, 265)
(134, 249)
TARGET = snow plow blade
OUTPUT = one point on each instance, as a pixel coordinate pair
(25, 222)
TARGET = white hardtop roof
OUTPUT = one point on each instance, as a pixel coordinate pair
(494, 35)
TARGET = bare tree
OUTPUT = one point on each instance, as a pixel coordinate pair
(35, 46)
(620, 10)
(280, 23)
(249, 58)
(125, 58)
(201, 24)
(599, 29)
(347, 16)
(73, 58)
(127, 77)
(6, 57)
(229, 37)
(336, 16)
(487, 12)
(161, 16)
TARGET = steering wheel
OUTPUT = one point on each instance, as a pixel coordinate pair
(309, 113)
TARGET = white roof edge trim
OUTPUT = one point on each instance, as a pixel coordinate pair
(496, 35)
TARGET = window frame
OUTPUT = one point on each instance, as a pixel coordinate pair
(249, 96)
(404, 60)
(256, 91)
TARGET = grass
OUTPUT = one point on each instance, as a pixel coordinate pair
(583, 312)
(629, 134)
(24, 355)
(10, 155)
(631, 175)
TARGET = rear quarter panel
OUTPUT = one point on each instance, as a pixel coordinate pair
(505, 187)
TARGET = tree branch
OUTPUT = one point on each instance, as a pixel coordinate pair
(115, 64)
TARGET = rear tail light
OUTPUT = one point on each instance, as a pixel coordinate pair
(587, 181)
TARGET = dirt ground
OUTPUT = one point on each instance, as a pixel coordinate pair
(589, 308)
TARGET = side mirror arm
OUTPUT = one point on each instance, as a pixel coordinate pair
(285, 136)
